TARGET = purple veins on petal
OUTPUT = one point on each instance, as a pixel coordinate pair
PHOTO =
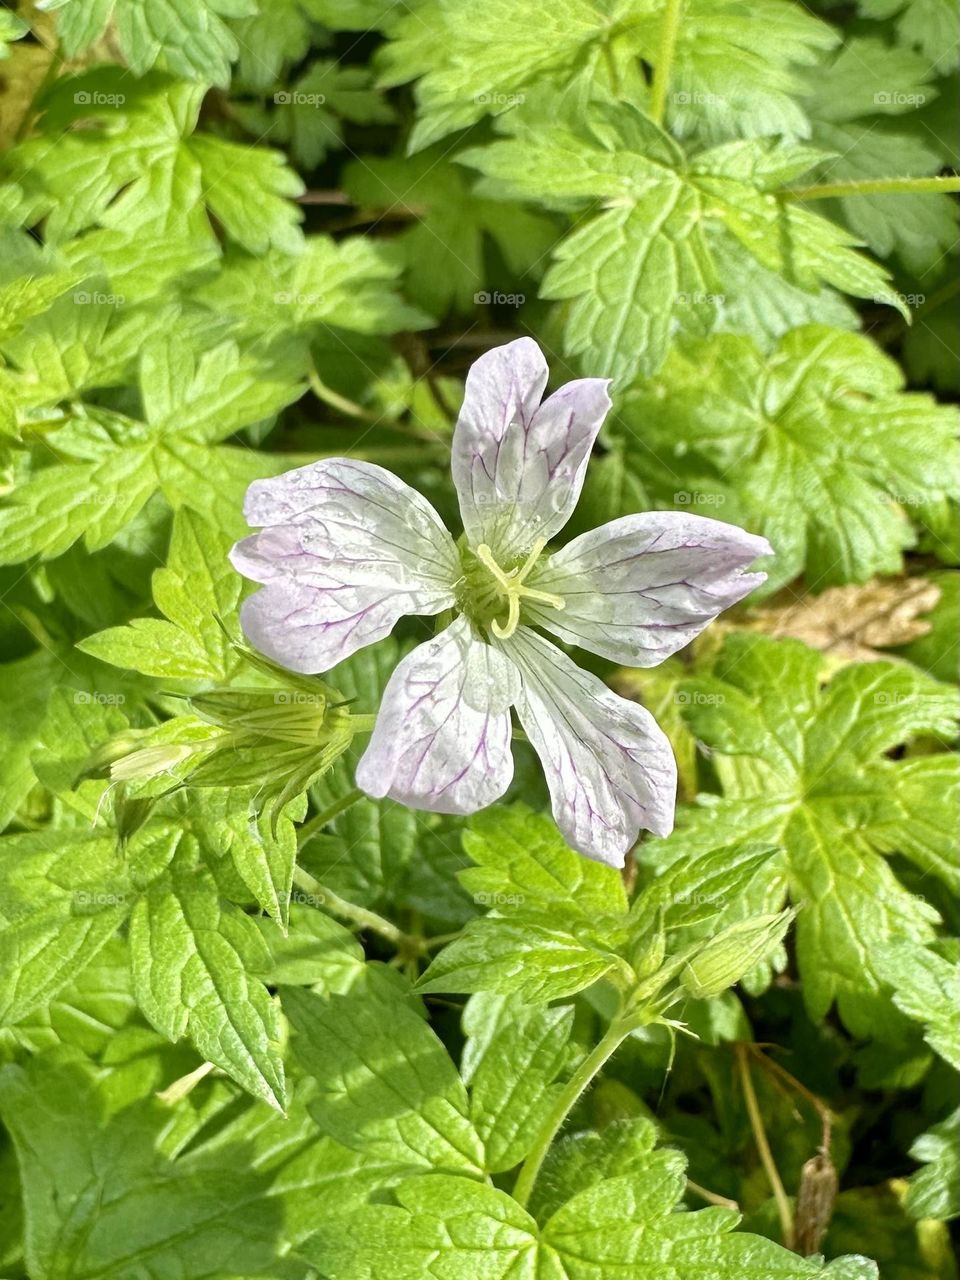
(442, 737)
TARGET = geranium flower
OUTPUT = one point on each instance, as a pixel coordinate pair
(346, 549)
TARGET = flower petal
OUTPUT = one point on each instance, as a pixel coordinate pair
(348, 549)
(608, 764)
(442, 738)
(641, 587)
(518, 464)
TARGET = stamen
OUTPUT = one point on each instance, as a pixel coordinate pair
(513, 619)
(510, 586)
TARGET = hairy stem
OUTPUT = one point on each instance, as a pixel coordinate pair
(615, 1035)
(763, 1147)
(320, 820)
(669, 30)
(874, 187)
(349, 911)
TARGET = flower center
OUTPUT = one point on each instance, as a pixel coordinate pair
(508, 584)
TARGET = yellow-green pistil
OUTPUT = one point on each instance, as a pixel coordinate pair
(488, 585)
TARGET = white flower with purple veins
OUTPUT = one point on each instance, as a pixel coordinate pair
(345, 549)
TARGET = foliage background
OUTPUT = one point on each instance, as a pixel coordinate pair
(237, 237)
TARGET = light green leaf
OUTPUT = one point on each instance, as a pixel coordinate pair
(934, 1191)
(386, 1086)
(193, 959)
(527, 956)
(805, 773)
(189, 39)
(647, 264)
(924, 987)
(102, 1203)
(522, 860)
(194, 592)
(512, 1058)
(143, 169)
(444, 249)
(832, 457)
(64, 893)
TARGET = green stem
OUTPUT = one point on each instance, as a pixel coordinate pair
(615, 1035)
(336, 400)
(358, 916)
(874, 187)
(320, 820)
(669, 31)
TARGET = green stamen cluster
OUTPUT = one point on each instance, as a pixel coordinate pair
(487, 588)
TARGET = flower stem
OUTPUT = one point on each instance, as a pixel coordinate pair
(763, 1147)
(336, 401)
(711, 1197)
(615, 1035)
(349, 911)
(874, 187)
(669, 30)
(320, 820)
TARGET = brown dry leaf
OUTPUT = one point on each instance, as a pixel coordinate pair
(852, 623)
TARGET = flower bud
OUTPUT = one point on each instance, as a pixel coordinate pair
(723, 961)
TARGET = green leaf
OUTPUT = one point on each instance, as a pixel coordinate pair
(24, 689)
(192, 40)
(444, 249)
(193, 957)
(622, 1224)
(522, 860)
(934, 1191)
(858, 102)
(191, 400)
(512, 1057)
(386, 1086)
(197, 588)
(311, 114)
(11, 28)
(829, 451)
(347, 285)
(263, 849)
(647, 265)
(924, 987)
(927, 25)
(805, 772)
(903, 1249)
(62, 896)
(529, 957)
(102, 1202)
(139, 165)
(497, 59)
(315, 951)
